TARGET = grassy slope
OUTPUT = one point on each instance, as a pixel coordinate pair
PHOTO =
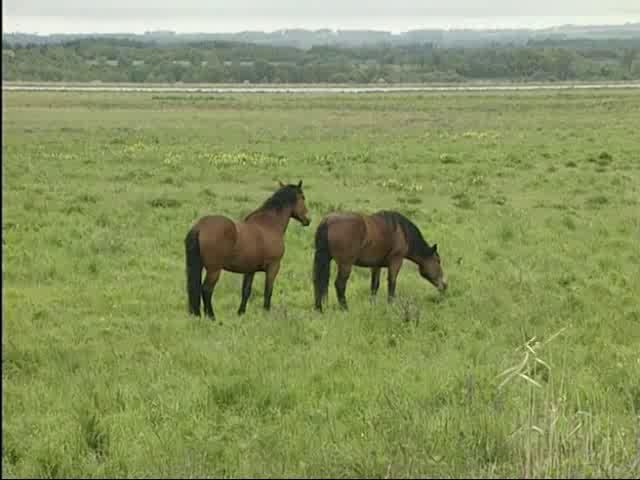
(532, 198)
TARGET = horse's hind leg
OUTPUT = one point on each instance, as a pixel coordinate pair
(208, 285)
(247, 281)
(375, 281)
(344, 270)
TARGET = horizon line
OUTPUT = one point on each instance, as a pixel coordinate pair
(331, 29)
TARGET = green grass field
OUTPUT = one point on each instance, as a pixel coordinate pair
(529, 365)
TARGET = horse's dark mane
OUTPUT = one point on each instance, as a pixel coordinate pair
(282, 198)
(417, 244)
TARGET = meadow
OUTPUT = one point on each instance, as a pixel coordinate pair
(528, 366)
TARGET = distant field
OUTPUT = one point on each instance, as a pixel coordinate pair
(532, 197)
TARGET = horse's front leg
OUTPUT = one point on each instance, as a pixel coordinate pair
(394, 267)
(270, 277)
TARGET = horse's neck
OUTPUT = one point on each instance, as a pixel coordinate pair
(272, 220)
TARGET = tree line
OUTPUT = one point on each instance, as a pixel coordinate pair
(304, 38)
(122, 60)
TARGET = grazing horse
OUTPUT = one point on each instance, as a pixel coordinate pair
(256, 244)
(383, 239)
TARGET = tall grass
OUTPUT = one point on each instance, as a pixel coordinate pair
(557, 438)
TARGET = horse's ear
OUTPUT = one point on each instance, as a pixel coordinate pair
(300, 184)
(435, 248)
(280, 183)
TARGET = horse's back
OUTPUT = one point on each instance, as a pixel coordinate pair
(217, 235)
(345, 222)
(215, 223)
(363, 239)
(346, 232)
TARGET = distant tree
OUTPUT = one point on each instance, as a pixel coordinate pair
(561, 61)
(264, 71)
(628, 57)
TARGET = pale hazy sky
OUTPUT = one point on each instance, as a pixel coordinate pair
(72, 16)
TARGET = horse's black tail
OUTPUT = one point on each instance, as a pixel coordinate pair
(194, 270)
(321, 264)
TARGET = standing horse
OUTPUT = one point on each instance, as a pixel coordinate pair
(381, 240)
(255, 244)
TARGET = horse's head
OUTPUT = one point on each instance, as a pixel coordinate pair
(299, 211)
(431, 269)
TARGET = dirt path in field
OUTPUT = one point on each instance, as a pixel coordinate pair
(308, 89)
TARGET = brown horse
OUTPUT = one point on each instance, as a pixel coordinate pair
(255, 244)
(381, 240)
